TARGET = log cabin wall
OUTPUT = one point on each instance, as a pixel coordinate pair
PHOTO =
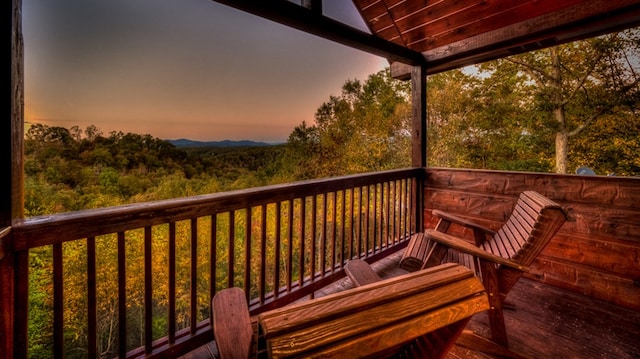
(597, 254)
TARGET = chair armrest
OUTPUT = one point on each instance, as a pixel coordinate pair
(466, 247)
(462, 222)
(232, 329)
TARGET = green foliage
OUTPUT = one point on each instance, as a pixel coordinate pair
(365, 128)
(521, 112)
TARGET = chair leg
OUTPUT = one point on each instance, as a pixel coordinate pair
(496, 315)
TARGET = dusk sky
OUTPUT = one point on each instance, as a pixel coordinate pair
(180, 68)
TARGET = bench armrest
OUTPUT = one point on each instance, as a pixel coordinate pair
(462, 222)
(466, 247)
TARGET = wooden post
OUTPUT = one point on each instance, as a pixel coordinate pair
(419, 137)
(419, 123)
(11, 160)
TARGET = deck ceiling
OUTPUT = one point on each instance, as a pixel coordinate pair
(451, 33)
(446, 34)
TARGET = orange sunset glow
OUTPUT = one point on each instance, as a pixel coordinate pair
(180, 69)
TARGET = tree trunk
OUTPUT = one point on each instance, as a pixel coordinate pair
(562, 137)
(562, 145)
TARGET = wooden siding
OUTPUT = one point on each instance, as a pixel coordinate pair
(597, 254)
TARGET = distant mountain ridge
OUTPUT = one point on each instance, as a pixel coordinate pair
(183, 142)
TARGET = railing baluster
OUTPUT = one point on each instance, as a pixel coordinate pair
(193, 306)
(263, 254)
(334, 230)
(172, 282)
(349, 215)
(276, 272)
(314, 226)
(148, 291)
(122, 297)
(387, 199)
(394, 207)
(58, 302)
(247, 254)
(343, 216)
(377, 227)
(323, 248)
(301, 231)
(407, 213)
(290, 246)
(91, 299)
(357, 217)
(232, 246)
(367, 212)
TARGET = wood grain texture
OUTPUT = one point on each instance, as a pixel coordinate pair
(360, 272)
(375, 317)
(231, 324)
(596, 254)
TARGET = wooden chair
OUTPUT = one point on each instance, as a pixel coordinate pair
(370, 321)
(498, 258)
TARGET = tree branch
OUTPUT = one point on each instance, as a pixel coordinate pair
(537, 74)
(582, 80)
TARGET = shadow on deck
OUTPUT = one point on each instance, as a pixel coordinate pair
(547, 322)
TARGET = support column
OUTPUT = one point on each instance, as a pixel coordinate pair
(11, 182)
(419, 113)
(419, 137)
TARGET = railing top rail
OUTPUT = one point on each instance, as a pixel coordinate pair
(44, 230)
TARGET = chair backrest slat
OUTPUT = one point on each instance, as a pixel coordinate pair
(508, 239)
(524, 234)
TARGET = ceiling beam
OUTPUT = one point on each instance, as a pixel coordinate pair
(312, 22)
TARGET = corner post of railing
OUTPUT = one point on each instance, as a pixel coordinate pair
(7, 308)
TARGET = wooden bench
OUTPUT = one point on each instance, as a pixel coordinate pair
(377, 319)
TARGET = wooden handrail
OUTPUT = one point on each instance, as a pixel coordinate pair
(45, 230)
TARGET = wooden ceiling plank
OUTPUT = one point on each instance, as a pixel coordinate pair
(378, 18)
(380, 22)
(501, 16)
(488, 13)
(407, 16)
(390, 34)
(365, 4)
(394, 3)
(576, 23)
(391, 3)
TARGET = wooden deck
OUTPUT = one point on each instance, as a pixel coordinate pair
(547, 322)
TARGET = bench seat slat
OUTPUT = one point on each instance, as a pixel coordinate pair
(376, 340)
(375, 316)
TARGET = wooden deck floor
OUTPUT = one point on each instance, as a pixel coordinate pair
(547, 322)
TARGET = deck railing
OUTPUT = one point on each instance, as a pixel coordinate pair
(137, 280)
